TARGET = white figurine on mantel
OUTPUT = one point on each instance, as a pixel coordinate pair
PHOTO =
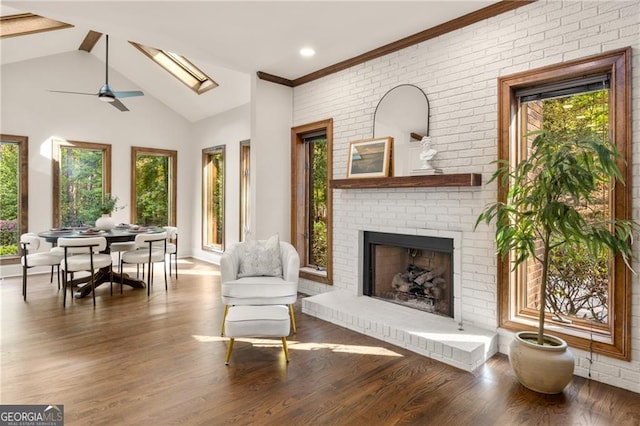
(426, 155)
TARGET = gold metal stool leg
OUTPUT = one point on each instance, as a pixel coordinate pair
(293, 318)
(229, 349)
(285, 349)
(224, 318)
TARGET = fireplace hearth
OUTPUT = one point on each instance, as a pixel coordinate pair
(410, 270)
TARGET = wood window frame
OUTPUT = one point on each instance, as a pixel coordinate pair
(23, 190)
(179, 67)
(299, 187)
(206, 202)
(56, 153)
(173, 180)
(618, 64)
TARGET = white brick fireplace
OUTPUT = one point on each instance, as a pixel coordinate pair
(449, 340)
(458, 72)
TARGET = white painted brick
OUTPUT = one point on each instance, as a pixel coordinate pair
(601, 39)
(459, 72)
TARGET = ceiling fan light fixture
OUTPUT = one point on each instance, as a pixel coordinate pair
(106, 94)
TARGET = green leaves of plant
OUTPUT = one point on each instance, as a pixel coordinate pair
(554, 200)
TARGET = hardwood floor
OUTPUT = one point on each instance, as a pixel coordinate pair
(159, 360)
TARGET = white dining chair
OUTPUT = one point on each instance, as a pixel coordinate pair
(31, 242)
(172, 247)
(84, 254)
(150, 249)
(121, 247)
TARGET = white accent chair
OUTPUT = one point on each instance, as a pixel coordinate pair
(31, 242)
(241, 289)
(84, 254)
(150, 249)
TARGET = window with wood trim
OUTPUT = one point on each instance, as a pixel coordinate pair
(81, 178)
(311, 200)
(213, 200)
(179, 67)
(28, 23)
(590, 94)
(245, 193)
(153, 186)
(14, 183)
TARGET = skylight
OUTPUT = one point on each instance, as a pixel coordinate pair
(180, 67)
(28, 23)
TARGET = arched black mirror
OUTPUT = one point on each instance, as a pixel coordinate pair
(403, 113)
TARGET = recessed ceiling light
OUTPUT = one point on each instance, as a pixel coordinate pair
(307, 52)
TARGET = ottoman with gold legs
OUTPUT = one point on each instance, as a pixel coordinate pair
(257, 321)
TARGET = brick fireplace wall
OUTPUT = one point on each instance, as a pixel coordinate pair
(458, 72)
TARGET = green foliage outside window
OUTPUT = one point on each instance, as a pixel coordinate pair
(152, 190)
(9, 161)
(217, 198)
(578, 282)
(318, 203)
(81, 186)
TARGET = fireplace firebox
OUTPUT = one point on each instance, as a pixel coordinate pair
(410, 270)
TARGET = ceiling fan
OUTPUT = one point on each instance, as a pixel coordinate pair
(106, 93)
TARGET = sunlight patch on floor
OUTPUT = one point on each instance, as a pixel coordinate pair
(195, 272)
(197, 268)
(352, 349)
(304, 346)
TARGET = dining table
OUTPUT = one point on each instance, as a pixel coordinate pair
(103, 275)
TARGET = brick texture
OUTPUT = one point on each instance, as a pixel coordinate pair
(458, 72)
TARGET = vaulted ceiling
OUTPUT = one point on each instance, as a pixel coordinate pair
(229, 40)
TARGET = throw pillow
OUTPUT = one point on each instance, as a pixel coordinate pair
(261, 258)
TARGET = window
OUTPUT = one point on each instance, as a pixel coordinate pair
(81, 177)
(213, 200)
(245, 151)
(28, 23)
(311, 199)
(14, 217)
(179, 67)
(582, 95)
(153, 186)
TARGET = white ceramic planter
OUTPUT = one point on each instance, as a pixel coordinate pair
(544, 369)
(105, 223)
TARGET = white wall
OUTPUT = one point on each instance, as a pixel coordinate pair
(266, 121)
(458, 72)
(29, 109)
(270, 159)
(228, 129)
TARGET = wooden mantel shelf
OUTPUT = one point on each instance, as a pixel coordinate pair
(458, 179)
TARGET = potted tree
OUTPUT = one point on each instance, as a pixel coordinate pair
(108, 205)
(545, 216)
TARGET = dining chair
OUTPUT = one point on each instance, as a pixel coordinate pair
(84, 254)
(121, 247)
(172, 247)
(150, 249)
(31, 242)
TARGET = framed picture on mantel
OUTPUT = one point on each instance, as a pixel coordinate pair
(370, 158)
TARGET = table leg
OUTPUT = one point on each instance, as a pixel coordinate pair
(101, 277)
